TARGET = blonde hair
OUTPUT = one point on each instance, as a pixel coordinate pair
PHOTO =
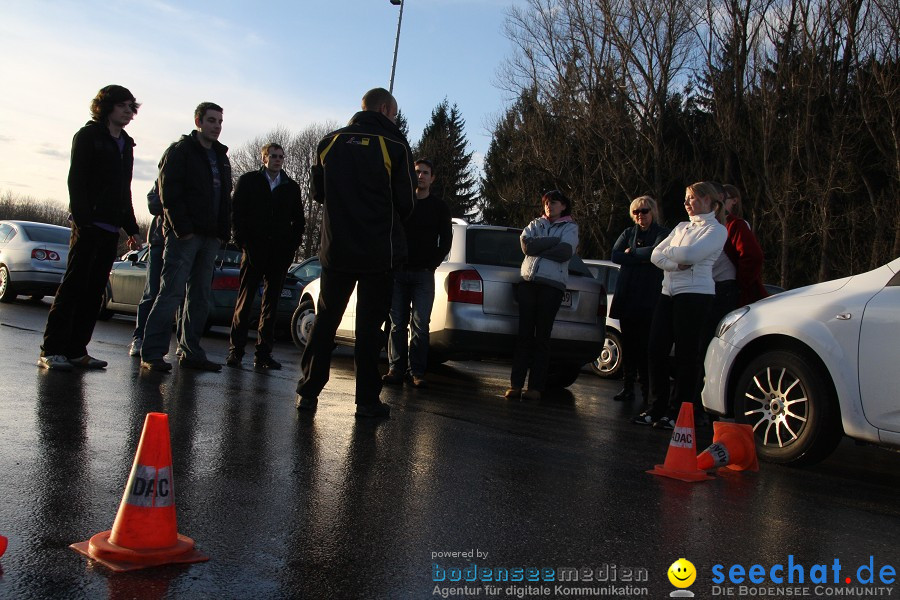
(709, 190)
(644, 202)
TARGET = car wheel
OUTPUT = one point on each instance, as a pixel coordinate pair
(105, 314)
(302, 323)
(609, 364)
(790, 405)
(561, 376)
(7, 294)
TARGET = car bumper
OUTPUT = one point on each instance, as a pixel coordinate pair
(45, 281)
(720, 357)
(468, 332)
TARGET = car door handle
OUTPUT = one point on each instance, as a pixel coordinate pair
(843, 316)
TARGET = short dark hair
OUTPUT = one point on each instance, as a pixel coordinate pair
(269, 147)
(107, 98)
(427, 162)
(201, 109)
(376, 98)
(559, 196)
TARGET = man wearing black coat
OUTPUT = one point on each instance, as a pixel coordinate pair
(364, 178)
(100, 203)
(195, 188)
(268, 222)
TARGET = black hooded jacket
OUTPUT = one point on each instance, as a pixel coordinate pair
(364, 176)
(100, 179)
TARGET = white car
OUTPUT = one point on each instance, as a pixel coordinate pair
(810, 364)
(609, 364)
(32, 259)
(475, 313)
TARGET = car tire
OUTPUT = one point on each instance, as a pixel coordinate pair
(789, 402)
(302, 322)
(609, 364)
(7, 293)
(105, 313)
(562, 375)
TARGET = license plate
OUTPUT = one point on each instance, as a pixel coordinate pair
(567, 299)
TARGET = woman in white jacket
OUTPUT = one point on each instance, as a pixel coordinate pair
(686, 257)
(548, 243)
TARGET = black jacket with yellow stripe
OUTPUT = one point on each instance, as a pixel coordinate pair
(365, 179)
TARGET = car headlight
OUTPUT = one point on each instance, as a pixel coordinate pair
(730, 319)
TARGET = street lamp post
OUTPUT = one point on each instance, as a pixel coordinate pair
(396, 42)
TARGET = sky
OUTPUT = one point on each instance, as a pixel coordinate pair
(269, 64)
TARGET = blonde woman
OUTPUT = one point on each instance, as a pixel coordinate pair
(637, 290)
(686, 257)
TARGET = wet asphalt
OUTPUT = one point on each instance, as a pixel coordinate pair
(288, 505)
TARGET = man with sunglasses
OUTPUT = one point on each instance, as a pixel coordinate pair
(100, 203)
(268, 222)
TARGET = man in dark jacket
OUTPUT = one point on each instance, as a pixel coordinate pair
(100, 203)
(195, 189)
(364, 177)
(428, 237)
(268, 221)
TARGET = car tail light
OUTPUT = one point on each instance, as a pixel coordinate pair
(41, 254)
(601, 306)
(465, 286)
(226, 282)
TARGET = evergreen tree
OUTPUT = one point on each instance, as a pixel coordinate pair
(444, 143)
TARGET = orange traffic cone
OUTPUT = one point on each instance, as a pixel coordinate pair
(681, 459)
(732, 447)
(144, 533)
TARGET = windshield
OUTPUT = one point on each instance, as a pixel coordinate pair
(502, 248)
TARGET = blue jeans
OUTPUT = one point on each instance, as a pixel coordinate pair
(187, 271)
(415, 289)
(151, 289)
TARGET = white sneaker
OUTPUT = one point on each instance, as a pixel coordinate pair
(135, 349)
(55, 362)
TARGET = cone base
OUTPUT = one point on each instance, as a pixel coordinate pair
(689, 476)
(120, 559)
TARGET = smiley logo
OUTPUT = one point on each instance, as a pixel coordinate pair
(682, 573)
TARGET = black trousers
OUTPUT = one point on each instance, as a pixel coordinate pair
(73, 315)
(272, 274)
(538, 305)
(678, 319)
(635, 339)
(373, 302)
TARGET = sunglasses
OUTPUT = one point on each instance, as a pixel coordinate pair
(640, 211)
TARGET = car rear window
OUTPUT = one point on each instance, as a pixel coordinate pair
(228, 257)
(494, 247)
(47, 235)
(502, 248)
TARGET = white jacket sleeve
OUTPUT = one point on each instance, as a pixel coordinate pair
(705, 242)
(658, 257)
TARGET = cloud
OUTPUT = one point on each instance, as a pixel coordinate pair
(6, 138)
(49, 150)
(145, 169)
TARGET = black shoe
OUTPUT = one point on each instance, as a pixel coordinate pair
(200, 364)
(392, 378)
(234, 359)
(306, 403)
(266, 363)
(156, 364)
(664, 423)
(375, 410)
(645, 418)
(624, 396)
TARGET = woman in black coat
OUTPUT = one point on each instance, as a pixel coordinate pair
(637, 290)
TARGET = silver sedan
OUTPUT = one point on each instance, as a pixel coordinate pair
(32, 258)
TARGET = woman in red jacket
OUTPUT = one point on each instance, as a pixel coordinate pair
(743, 249)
